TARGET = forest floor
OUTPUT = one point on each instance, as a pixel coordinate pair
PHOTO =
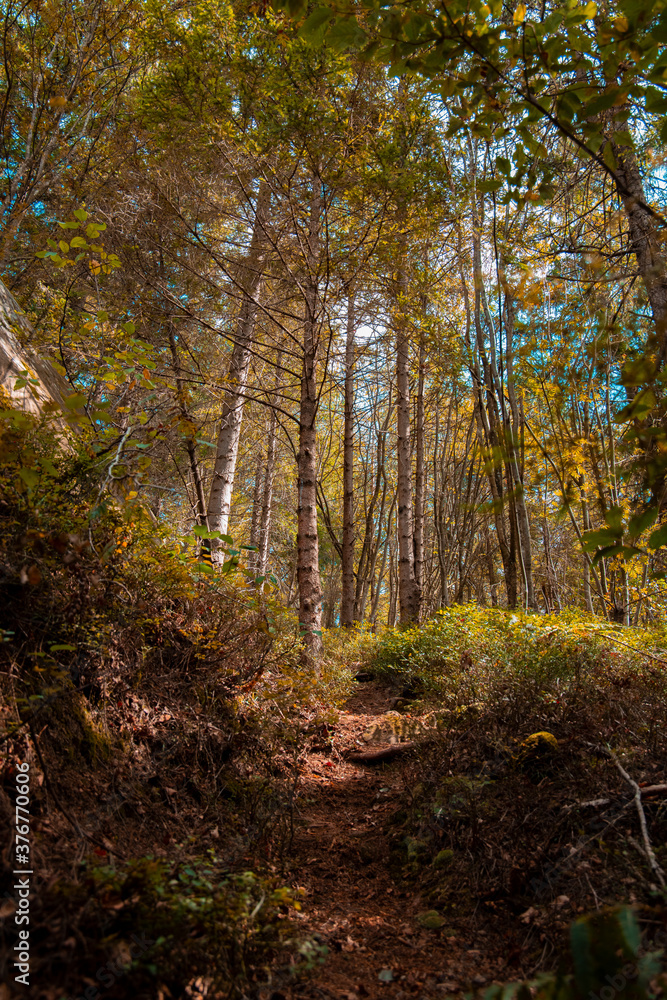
(531, 851)
(369, 923)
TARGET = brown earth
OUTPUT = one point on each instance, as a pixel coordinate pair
(366, 918)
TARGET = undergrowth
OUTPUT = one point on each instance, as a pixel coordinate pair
(162, 708)
(153, 924)
(514, 804)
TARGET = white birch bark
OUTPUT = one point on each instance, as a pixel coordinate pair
(347, 583)
(308, 567)
(224, 469)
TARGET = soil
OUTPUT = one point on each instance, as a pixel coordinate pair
(366, 918)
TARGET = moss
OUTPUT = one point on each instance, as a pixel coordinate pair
(74, 732)
(431, 920)
(416, 848)
(443, 859)
(540, 743)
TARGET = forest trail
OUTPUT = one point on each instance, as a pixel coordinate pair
(367, 919)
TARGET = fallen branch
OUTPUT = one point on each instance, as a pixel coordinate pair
(378, 756)
(653, 864)
(652, 789)
(592, 804)
(597, 803)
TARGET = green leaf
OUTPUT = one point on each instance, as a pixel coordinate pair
(614, 519)
(29, 476)
(346, 34)
(593, 539)
(74, 401)
(658, 538)
(78, 241)
(630, 929)
(295, 8)
(581, 955)
(315, 24)
(641, 522)
(600, 103)
(486, 187)
(80, 214)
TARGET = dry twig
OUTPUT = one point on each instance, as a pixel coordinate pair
(653, 864)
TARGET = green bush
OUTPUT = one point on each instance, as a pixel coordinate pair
(171, 923)
(605, 950)
(456, 651)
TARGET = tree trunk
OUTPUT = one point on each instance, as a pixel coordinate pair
(420, 472)
(348, 587)
(224, 469)
(264, 532)
(308, 570)
(408, 591)
(189, 433)
(645, 238)
(255, 517)
(47, 390)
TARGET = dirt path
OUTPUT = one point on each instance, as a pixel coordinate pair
(367, 920)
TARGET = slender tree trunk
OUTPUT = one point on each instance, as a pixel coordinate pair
(645, 238)
(420, 472)
(224, 469)
(393, 587)
(256, 515)
(408, 596)
(379, 485)
(383, 566)
(188, 430)
(264, 532)
(586, 522)
(348, 587)
(490, 567)
(308, 570)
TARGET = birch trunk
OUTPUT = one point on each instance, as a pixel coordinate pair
(348, 587)
(408, 591)
(308, 569)
(224, 469)
(420, 472)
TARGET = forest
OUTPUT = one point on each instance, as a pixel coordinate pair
(333, 499)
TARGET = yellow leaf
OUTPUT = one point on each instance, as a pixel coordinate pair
(590, 10)
(58, 102)
(621, 24)
(520, 13)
